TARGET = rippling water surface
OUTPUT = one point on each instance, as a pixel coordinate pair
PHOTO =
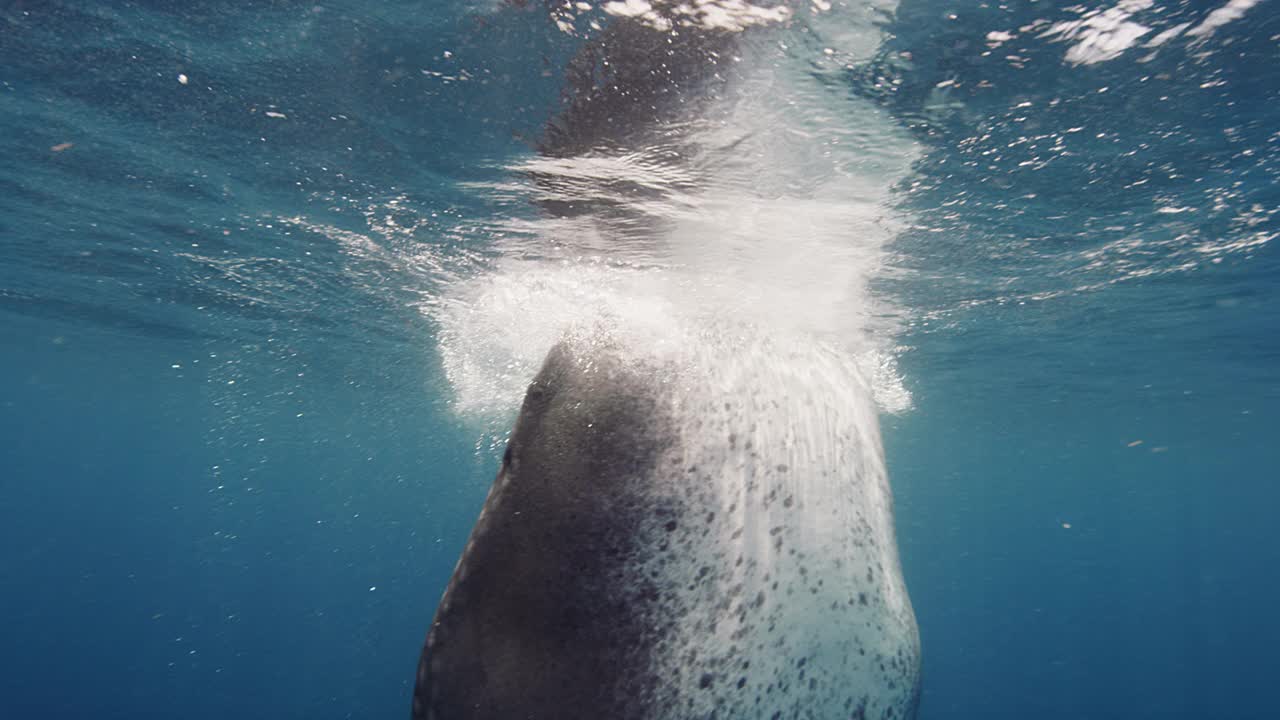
(275, 277)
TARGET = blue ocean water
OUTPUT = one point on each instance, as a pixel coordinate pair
(235, 476)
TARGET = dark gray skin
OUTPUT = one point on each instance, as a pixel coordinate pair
(631, 86)
(631, 79)
(546, 617)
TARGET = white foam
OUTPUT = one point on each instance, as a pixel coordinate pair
(776, 227)
(1230, 12)
(1102, 34)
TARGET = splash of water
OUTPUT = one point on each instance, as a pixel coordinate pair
(772, 225)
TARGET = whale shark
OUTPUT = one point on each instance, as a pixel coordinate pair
(692, 522)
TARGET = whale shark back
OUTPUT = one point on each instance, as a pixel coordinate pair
(660, 544)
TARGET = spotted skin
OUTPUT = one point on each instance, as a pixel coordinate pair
(643, 555)
(546, 616)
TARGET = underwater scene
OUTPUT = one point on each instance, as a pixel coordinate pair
(834, 359)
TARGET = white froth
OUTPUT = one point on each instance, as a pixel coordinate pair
(1230, 12)
(1101, 34)
(776, 230)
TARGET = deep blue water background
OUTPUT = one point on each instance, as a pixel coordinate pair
(230, 484)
